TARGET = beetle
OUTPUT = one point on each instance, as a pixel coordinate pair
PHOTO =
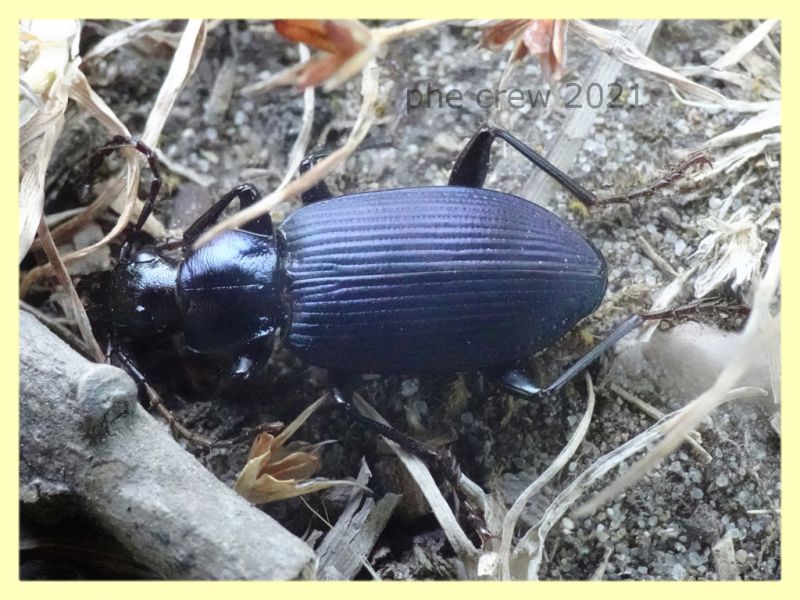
(413, 280)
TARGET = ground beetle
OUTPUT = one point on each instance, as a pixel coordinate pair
(412, 280)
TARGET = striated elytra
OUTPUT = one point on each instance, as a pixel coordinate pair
(431, 279)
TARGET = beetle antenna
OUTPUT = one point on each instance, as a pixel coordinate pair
(96, 159)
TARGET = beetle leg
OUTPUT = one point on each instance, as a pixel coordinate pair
(518, 383)
(521, 384)
(472, 164)
(248, 195)
(406, 442)
(441, 467)
(320, 190)
(253, 356)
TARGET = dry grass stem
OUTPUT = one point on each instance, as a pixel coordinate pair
(563, 458)
(693, 438)
(66, 282)
(619, 47)
(122, 37)
(461, 544)
(300, 145)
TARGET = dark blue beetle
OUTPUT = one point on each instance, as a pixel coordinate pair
(413, 280)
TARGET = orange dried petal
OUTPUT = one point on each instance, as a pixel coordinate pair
(297, 466)
(497, 34)
(261, 445)
(334, 37)
(318, 69)
(538, 36)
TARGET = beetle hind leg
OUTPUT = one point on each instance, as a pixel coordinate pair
(520, 384)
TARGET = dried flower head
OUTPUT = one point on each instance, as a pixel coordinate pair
(276, 470)
(542, 38)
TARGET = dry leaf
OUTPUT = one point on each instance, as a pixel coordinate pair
(343, 44)
(542, 38)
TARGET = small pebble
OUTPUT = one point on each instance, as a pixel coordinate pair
(695, 559)
(678, 572)
(409, 387)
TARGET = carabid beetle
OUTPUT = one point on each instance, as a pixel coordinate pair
(414, 280)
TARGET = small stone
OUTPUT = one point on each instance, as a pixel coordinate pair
(409, 387)
(678, 572)
(721, 481)
(695, 559)
(696, 494)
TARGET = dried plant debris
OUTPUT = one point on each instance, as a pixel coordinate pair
(277, 470)
(544, 39)
(733, 250)
(344, 550)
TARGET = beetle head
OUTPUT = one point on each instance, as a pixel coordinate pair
(143, 294)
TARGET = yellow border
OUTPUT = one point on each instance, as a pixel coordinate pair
(405, 9)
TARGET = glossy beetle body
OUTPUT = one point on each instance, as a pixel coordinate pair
(412, 280)
(415, 280)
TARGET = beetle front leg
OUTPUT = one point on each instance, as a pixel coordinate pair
(248, 195)
(96, 159)
(320, 190)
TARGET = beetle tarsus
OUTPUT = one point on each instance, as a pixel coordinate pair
(663, 181)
